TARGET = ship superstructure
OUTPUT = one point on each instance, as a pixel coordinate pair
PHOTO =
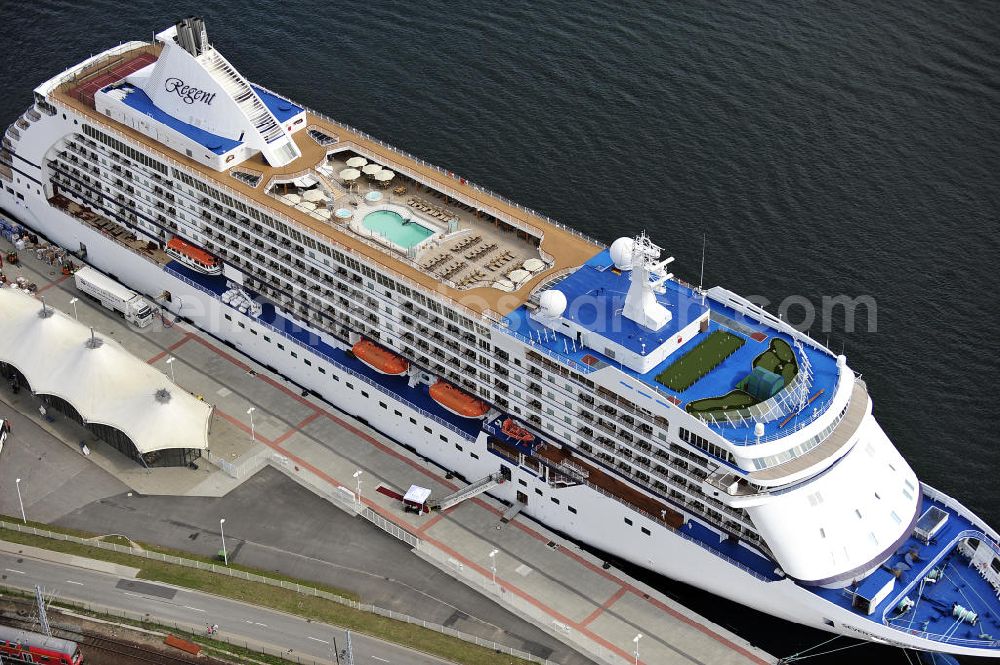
(685, 430)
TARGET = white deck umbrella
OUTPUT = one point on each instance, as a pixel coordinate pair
(518, 276)
(385, 175)
(350, 174)
(503, 285)
(307, 205)
(321, 213)
(533, 265)
(371, 169)
(356, 162)
(293, 198)
(314, 195)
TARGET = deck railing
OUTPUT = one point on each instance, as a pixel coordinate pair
(357, 375)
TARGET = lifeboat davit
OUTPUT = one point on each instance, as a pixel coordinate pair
(458, 401)
(516, 432)
(379, 359)
(193, 257)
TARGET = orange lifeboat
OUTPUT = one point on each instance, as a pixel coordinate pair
(516, 432)
(458, 401)
(193, 257)
(379, 359)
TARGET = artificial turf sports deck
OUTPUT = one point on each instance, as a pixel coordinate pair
(700, 360)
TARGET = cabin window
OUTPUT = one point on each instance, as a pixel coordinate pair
(349, 385)
(228, 318)
(241, 324)
(628, 521)
(413, 420)
(383, 405)
(364, 394)
(443, 438)
(538, 491)
(427, 429)
(571, 509)
(305, 360)
(554, 500)
(646, 531)
(522, 482)
(267, 339)
(321, 370)
(458, 448)
(398, 414)
(280, 345)
(473, 455)
(294, 355)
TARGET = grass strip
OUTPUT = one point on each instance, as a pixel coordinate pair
(284, 600)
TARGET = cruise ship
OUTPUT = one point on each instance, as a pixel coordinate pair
(680, 428)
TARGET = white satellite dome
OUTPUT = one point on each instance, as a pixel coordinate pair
(621, 253)
(552, 303)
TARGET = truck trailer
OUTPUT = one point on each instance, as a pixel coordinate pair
(112, 295)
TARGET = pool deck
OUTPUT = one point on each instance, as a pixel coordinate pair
(564, 248)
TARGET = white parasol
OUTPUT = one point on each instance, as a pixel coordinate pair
(356, 162)
(534, 265)
(518, 276)
(293, 198)
(503, 285)
(350, 174)
(314, 195)
(385, 175)
(371, 169)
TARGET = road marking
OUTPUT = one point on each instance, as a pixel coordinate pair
(19, 572)
(188, 607)
(134, 595)
(72, 582)
(316, 639)
(263, 625)
(382, 659)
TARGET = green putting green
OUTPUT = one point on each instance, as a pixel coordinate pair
(699, 361)
(778, 358)
(734, 399)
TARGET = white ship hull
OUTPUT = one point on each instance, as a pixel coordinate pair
(687, 561)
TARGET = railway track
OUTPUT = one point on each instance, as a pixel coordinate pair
(121, 652)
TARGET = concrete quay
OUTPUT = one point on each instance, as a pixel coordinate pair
(538, 575)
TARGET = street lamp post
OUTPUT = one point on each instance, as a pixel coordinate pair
(493, 565)
(170, 363)
(17, 484)
(225, 555)
(73, 302)
(253, 433)
(357, 477)
(636, 640)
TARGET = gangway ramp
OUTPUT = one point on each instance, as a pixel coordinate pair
(467, 492)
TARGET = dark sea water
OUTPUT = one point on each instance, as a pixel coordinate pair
(822, 148)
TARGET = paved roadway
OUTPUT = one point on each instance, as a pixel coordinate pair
(169, 605)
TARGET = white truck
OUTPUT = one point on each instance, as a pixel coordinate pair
(114, 296)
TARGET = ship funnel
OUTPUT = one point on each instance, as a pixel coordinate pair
(191, 35)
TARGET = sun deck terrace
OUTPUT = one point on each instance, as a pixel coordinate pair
(558, 247)
(962, 560)
(447, 239)
(596, 294)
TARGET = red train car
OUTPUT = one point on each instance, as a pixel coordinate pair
(23, 646)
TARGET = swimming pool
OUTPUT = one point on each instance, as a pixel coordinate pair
(397, 230)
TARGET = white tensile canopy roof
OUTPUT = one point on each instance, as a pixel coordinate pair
(106, 385)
